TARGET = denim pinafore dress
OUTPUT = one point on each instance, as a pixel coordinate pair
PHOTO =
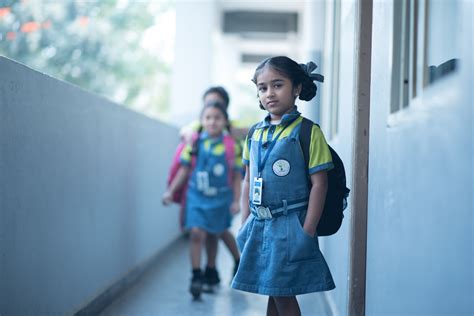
(278, 257)
(209, 209)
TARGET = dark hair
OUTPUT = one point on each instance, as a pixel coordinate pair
(297, 73)
(221, 92)
(219, 106)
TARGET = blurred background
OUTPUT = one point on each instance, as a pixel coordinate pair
(142, 54)
(122, 50)
(92, 97)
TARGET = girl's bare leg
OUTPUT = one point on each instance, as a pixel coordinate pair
(231, 244)
(211, 250)
(271, 307)
(287, 306)
(197, 238)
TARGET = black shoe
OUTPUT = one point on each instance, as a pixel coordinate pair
(196, 285)
(211, 280)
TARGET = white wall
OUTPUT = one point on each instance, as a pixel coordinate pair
(206, 56)
(81, 181)
(336, 247)
(419, 258)
(419, 251)
(312, 47)
(196, 22)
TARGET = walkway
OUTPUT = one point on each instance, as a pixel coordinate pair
(164, 291)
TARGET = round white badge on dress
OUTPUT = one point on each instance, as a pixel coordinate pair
(281, 167)
(218, 170)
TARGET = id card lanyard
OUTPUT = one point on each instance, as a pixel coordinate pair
(258, 181)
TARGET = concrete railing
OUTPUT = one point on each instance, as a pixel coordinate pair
(81, 182)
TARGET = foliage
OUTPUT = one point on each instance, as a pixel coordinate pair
(94, 44)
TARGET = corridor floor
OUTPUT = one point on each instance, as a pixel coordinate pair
(163, 290)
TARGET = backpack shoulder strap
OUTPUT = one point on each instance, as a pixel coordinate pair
(305, 138)
(250, 134)
(251, 131)
(194, 148)
(229, 145)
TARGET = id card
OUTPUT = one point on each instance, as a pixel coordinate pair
(257, 191)
(202, 181)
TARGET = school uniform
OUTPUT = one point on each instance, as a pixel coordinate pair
(209, 193)
(278, 258)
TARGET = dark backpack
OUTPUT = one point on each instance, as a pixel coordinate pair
(336, 196)
(337, 193)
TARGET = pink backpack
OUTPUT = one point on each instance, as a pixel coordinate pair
(180, 195)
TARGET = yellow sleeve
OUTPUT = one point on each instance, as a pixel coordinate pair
(245, 152)
(238, 156)
(185, 157)
(319, 155)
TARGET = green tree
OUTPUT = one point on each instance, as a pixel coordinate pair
(94, 44)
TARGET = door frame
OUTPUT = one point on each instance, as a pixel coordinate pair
(360, 158)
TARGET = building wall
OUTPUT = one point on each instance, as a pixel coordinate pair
(419, 259)
(209, 56)
(81, 183)
(419, 243)
(336, 247)
(194, 54)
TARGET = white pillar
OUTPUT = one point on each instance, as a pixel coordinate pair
(313, 41)
(192, 70)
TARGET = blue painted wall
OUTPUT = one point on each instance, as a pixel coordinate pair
(420, 235)
(336, 247)
(420, 251)
(81, 183)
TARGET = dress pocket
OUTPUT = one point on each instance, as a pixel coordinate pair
(300, 246)
(243, 232)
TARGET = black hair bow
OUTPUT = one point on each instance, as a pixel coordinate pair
(309, 68)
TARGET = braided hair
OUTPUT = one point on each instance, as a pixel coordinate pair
(297, 73)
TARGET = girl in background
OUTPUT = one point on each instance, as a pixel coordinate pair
(212, 195)
(211, 275)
